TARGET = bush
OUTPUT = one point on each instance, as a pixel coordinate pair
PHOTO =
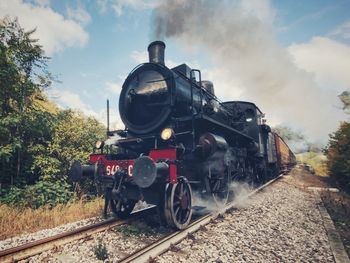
(46, 192)
(338, 155)
(100, 250)
(316, 160)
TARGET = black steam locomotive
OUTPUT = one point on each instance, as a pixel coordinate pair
(179, 138)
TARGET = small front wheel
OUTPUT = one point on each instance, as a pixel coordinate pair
(178, 204)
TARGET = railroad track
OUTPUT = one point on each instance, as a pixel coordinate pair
(162, 245)
(36, 247)
(142, 255)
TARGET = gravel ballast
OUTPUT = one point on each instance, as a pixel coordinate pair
(117, 244)
(279, 224)
(26, 238)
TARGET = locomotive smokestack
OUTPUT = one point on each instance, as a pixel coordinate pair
(156, 52)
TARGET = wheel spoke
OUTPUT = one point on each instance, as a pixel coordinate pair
(180, 216)
(179, 205)
(217, 185)
(181, 189)
(177, 211)
(187, 212)
(220, 185)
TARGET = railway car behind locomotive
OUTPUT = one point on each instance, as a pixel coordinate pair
(180, 138)
(286, 158)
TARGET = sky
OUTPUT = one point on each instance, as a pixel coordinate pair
(291, 57)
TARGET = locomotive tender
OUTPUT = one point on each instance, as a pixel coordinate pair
(180, 138)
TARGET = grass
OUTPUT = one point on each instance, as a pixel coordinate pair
(141, 229)
(15, 221)
(101, 251)
(316, 160)
(136, 229)
(338, 207)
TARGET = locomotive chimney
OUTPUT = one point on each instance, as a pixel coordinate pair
(156, 52)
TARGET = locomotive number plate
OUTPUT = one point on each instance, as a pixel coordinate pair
(111, 169)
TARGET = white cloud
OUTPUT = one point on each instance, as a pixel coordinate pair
(54, 32)
(260, 9)
(43, 2)
(69, 99)
(119, 5)
(80, 15)
(113, 87)
(102, 5)
(115, 122)
(139, 56)
(342, 30)
(327, 59)
(171, 64)
(225, 88)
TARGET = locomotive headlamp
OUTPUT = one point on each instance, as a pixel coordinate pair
(166, 134)
(99, 144)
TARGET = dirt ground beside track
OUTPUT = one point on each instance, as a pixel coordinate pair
(336, 203)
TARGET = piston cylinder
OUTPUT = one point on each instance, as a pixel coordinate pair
(211, 143)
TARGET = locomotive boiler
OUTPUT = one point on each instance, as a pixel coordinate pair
(179, 138)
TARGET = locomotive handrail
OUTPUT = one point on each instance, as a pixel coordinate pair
(208, 94)
(193, 79)
(192, 111)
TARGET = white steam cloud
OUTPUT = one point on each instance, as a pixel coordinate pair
(240, 191)
(250, 64)
(239, 197)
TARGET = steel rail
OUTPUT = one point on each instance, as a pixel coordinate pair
(36, 247)
(162, 245)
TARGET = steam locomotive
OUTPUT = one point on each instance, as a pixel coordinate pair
(179, 138)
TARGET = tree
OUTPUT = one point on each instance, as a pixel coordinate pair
(38, 141)
(23, 75)
(73, 138)
(345, 99)
(338, 155)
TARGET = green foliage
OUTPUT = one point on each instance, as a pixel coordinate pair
(38, 141)
(100, 250)
(345, 99)
(137, 229)
(23, 75)
(43, 193)
(316, 160)
(73, 138)
(338, 155)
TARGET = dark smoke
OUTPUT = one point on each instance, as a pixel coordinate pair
(248, 62)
